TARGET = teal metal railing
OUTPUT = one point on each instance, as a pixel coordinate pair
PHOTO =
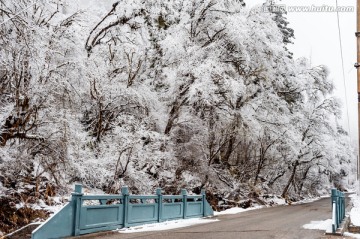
(93, 213)
(338, 208)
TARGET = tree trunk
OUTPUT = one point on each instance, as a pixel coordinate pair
(259, 166)
(303, 178)
(229, 149)
(290, 179)
(172, 117)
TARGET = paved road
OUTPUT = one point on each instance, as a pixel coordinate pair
(283, 222)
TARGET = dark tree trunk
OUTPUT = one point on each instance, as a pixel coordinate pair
(296, 164)
(229, 149)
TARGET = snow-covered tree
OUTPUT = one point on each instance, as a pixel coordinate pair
(165, 94)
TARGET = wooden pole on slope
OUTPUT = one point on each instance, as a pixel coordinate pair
(358, 75)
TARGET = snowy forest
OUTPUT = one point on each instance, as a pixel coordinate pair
(172, 94)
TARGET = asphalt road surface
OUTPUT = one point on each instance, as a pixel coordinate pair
(283, 222)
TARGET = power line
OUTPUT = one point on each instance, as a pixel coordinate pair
(342, 63)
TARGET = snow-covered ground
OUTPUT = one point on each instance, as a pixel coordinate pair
(355, 211)
(236, 210)
(58, 202)
(354, 214)
(325, 225)
(352, 235)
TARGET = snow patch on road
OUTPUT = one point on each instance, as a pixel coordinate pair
(325, 225)
(167, 225)
(235, 210)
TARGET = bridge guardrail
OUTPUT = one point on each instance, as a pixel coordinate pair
(338, 208)
(93, 213)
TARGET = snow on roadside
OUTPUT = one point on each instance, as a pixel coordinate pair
(310, 200)
(235, 210)
(20, 229)
(352, 235)
(325, 225)
(354, 214)
(273, 200)
(57, 202)
(355, 211)
(167, 225)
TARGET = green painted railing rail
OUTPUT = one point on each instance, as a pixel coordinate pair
(93, 213)
(338, 208)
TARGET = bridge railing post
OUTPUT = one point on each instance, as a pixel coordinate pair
(160, 202)
(184, 194)
(203, 194)
(76, 202)
(342, 206)
(334, 210)
(125, 193)
(338, 208)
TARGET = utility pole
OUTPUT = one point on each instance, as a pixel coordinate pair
(357, 65)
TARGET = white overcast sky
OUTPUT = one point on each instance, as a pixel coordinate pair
(317, 37)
